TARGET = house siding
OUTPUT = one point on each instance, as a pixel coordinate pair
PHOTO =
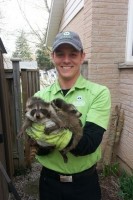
(102, 26)
(70, 11)
(76, 25)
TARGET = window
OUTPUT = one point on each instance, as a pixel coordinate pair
(129, 42)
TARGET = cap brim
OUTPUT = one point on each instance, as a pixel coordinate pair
(67, 42)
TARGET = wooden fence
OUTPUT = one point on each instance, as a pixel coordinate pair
(15, 87)
(5, 133)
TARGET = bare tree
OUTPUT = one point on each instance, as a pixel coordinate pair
(1, 15)
(1, 21)
(39, 34)
(42, 51)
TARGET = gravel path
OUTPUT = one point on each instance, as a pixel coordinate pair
(27, 185)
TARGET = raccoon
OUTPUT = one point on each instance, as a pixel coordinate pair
(38, 111)
(70, 116)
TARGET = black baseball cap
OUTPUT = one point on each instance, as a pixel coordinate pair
(68, 37)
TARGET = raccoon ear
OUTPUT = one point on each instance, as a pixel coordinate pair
(55, 105)
(59, 103)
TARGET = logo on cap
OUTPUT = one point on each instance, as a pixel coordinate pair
(66, 33)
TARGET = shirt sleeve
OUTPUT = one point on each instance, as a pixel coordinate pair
(99, 112)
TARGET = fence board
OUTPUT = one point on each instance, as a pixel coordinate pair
(30, 84)
(3, 184)
(6, 157)
(24, 87)
(5, 119)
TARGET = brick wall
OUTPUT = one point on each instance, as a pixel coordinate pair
(109, 21)
(125, 147)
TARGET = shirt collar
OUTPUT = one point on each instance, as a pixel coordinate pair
(80, 83)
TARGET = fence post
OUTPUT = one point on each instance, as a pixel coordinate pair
(18, 108)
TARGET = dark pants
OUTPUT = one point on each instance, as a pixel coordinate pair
(86, 188)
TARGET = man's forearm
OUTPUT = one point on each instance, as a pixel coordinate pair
(92, 137)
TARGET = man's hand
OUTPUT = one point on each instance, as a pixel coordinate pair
(60, 140)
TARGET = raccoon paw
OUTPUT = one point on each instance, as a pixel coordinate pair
(64, 156)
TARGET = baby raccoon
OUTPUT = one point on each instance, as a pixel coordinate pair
(38, 111)
(70, 117)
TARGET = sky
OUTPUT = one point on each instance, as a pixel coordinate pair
(13, 21)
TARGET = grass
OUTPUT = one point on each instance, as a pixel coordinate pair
(126, 186)
(125, 181)
(111, 170)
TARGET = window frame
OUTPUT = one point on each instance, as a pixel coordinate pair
(129, 39)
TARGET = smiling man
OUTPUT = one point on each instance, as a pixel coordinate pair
(68, 61)
(76, 179)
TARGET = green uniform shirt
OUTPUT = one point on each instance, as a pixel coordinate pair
(94, 102)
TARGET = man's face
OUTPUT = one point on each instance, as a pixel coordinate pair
(68, 61)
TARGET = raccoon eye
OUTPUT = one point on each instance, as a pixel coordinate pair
(73, 111)
(45, 112)
(33, 112)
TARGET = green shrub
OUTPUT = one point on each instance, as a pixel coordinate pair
(111, 170)
(126, 186)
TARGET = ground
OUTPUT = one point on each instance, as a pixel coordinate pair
(27, 185)
(110, 188)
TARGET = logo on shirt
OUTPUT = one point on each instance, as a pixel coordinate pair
(79, 98)
(79, 101)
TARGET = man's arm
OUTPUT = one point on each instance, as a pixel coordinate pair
(96, 123)
(92, 137)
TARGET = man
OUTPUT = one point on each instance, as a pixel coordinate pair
(77, 179)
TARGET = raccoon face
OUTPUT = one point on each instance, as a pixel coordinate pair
(37, 109)
(75, 112)
(69, 108)
(40, 113)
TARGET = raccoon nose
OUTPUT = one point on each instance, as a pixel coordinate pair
(37, 115)
(80, 114)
